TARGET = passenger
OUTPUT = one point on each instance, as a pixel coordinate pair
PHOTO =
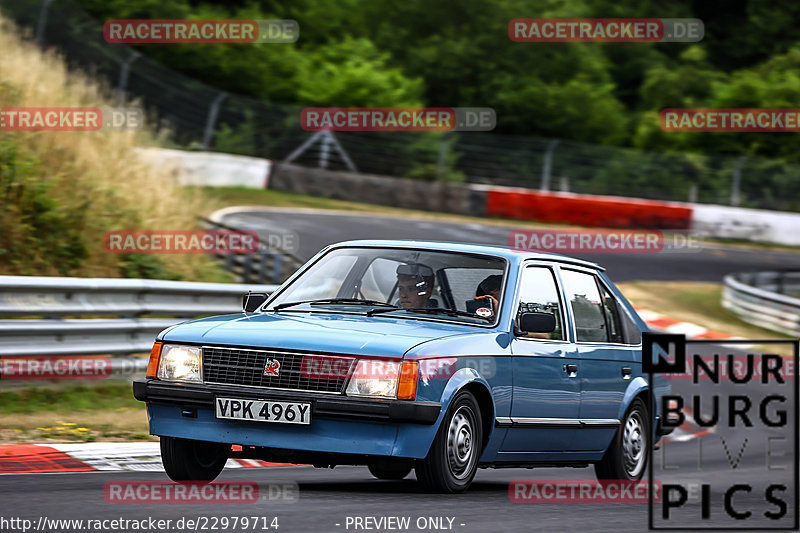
(490, 288)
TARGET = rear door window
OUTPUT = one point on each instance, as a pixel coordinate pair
(587, 306)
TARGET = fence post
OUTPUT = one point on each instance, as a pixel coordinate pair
(693, 194)
(736, 181)
(547, 165)
(123, 76)
(212, 120)
(338, 147)
(324, 150)
(441, 163)
(42, 22)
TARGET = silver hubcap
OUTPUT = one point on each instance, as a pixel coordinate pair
(633, 445)
(460, 443)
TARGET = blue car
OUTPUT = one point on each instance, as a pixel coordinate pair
(401, 355)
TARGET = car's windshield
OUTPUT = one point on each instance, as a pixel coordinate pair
(401, 283)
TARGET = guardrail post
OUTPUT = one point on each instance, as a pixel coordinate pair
(247, 266)
(277, 268)
(262, 266)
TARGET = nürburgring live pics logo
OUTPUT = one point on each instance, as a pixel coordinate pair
(743, 474)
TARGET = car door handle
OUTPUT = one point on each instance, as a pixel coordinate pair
(626, 372)
(571, 369)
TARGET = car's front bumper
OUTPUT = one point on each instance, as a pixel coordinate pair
(327, 406)
(339, 424)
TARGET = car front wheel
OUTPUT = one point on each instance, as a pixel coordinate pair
(453, 458)
(192, 460)
(627, 457)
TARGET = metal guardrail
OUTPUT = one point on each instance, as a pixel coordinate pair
(127, 313)
(765, 299)
(267, 264)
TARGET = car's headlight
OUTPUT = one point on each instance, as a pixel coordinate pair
(375, 379)
(180, 363)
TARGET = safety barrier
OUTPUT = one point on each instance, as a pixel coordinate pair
(765, 299)
(583, 210)
(267, 264)
(121, 316)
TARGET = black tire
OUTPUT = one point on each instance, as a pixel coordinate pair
(628, 462)
(192, 460)
(393, 471)
(453, 458)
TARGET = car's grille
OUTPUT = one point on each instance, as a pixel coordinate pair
(246, 367)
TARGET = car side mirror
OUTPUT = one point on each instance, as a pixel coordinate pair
(537, 323)
(253, 300)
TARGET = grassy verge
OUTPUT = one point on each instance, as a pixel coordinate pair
(73, 413)
(61, 191)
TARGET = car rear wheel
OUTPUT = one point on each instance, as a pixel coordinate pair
(192, 460)
(627, 457)
(453, 458)
(391, 470)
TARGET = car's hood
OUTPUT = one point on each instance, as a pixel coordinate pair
(323, 332)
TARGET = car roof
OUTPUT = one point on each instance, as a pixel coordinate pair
(513, 255)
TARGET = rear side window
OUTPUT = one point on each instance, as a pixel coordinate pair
(612, 312)
(587, 306)
(622, 327)
(538, 294)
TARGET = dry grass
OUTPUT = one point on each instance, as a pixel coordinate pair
(97, 172)
(123, 424)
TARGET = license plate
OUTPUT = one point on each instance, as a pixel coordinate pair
(264, 411)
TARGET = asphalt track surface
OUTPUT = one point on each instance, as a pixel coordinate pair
(317, 228)
(327, 498)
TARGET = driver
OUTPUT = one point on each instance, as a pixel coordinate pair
(415, 285)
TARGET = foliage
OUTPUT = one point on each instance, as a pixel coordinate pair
(418, 52)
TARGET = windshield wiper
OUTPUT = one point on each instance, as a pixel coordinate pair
(356, 301)
(428, 310)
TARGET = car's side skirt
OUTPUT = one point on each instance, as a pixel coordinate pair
(595, 423)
